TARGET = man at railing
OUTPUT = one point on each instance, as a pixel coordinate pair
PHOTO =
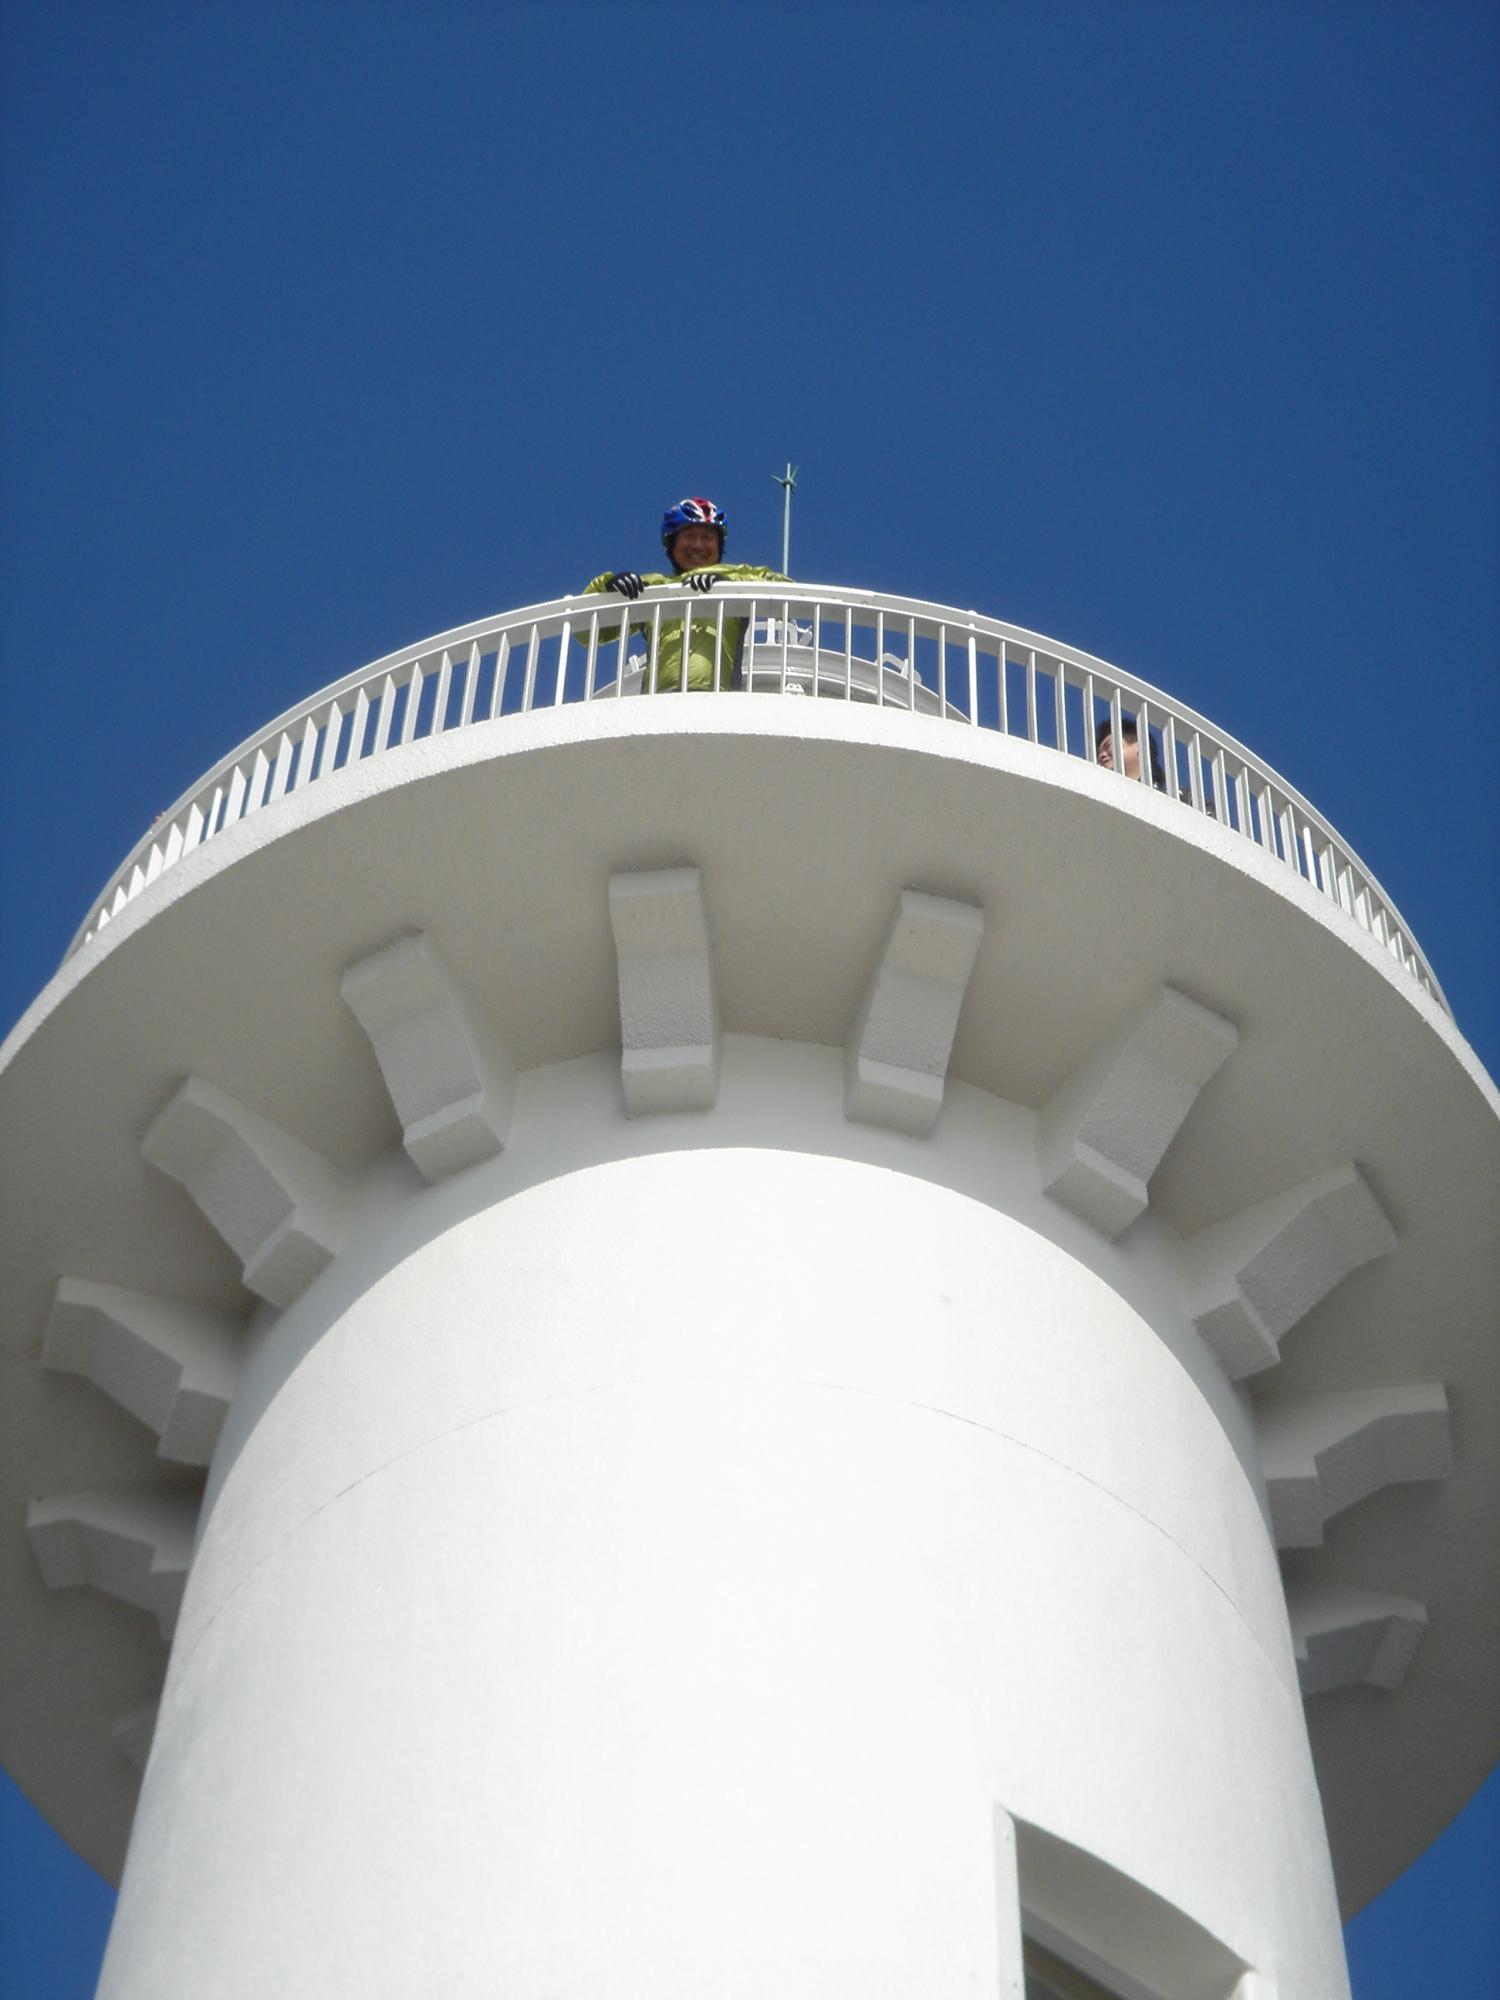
(692, 533)
(1130, 762)
(1104, 753)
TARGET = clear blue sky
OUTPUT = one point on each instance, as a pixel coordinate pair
(1168, 329)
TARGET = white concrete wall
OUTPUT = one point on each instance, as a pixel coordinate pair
(642, 1565)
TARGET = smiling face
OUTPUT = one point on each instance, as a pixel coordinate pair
(695, 545)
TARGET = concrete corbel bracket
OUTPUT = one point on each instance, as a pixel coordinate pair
(451, 1080)
(1323, 1453)
(669, 1014)
(133, 1731)
(1254, 1275)
(279, 1205)
(170, 1366)
(1102, 1133)
(1343, 1636)
(133, 1546)
(897, 1051)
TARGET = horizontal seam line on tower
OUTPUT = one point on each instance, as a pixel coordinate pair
(801, 1382)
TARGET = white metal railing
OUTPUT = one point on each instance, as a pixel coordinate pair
(849, 645)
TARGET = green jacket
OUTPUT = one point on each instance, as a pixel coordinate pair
(704, 671)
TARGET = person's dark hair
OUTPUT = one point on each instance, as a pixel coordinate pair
(1131, 734)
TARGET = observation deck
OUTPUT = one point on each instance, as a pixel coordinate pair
(841, 645)
(1321, 1196)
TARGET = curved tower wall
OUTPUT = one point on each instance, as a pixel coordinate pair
(741, 1343)
(669, 1566)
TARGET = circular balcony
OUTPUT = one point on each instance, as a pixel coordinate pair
(484, 787)
(854, 646)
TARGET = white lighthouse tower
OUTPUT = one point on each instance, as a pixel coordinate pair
(787, 1342)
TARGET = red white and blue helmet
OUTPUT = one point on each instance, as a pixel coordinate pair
(689, 514)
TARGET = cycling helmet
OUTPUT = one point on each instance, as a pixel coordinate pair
(690, 513)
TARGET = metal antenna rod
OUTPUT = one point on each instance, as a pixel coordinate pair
(787, 481)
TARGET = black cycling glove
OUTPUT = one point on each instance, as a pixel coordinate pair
(702, 579)
(627, 583)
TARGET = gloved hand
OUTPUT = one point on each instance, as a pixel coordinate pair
(627, 583)
(701, 579)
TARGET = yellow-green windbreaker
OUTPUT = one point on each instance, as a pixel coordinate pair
(703, 639)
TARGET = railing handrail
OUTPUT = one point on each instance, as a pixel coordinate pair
(609, 617)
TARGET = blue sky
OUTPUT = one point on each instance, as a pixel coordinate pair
(1167, 327)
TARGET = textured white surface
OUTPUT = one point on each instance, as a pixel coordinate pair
(669, 1013)
(172, 1367)
(1321, 1454)
(275, 1202)
(1102, 1133)
(713, 1572)
(1344, 1635)
(897, 1050)
(1260, 1272)
(132, 1733)
(450, 1078)
(807, 818)
(134, 1546)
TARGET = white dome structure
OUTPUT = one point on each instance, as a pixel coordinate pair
(781, 1341)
